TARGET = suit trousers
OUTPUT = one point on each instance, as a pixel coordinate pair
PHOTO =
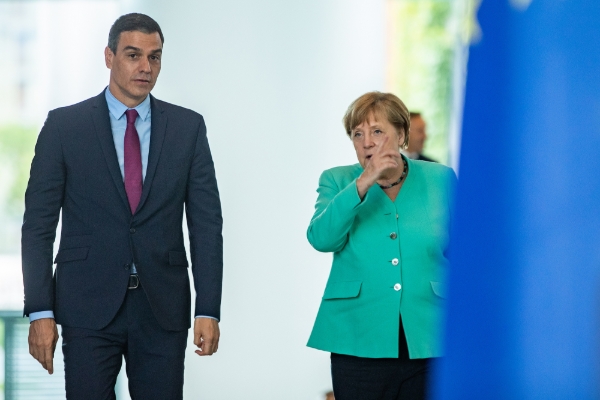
(154, 357)
(361, 378)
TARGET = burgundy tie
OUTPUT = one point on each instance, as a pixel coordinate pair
(133, 162)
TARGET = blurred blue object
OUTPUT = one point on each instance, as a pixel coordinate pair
(524, 288)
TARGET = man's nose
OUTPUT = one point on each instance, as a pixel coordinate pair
(145, 66)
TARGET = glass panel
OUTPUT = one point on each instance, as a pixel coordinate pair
(1, 359)
(427, 64)
(25, 379)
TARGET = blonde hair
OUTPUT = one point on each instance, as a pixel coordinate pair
(386, 104)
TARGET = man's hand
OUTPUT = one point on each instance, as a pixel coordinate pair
(206, 336)
(43, 336)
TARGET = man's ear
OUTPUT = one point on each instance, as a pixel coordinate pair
(108, 57)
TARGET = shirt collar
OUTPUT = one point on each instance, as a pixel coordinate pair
(117, 109)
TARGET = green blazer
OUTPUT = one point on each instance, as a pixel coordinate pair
(389, 259)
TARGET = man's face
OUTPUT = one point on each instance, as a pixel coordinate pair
(417, 136)
(135, 66)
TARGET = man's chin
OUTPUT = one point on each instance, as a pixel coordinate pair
(139, 94)
(142, 93)
(141, 89)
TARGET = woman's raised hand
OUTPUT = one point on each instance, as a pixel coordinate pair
(381, 164)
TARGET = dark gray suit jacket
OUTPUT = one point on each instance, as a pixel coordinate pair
(425, 158)
(75, 170)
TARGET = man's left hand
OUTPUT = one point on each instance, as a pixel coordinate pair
(206, 336)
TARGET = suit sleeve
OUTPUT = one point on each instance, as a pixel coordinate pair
(334, 214)
(205, 225)
(43, 201)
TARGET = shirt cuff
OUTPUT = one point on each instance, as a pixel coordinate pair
(40, 314)
(206, 316)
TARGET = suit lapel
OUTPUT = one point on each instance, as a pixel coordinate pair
(104, 134)
(157, 137)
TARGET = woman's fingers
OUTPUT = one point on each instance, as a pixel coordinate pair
(391, 153)
(380, 167)
(384, 159)
(381, 146)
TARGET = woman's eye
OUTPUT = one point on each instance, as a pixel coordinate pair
(357, 134)
(378, 131)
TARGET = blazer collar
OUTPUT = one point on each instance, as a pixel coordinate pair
(411, 185)
(104, 133)
(157, 137)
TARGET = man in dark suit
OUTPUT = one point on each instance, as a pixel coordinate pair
(417, 138)
(121, 167)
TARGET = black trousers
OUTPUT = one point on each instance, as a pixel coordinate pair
(154, 357)
(360, 378)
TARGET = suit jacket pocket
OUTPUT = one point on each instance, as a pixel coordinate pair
(439, 289)
(178, 258)
(75, 254)
(342, 290)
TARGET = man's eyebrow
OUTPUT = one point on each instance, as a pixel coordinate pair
(131, 48)
(156, 51)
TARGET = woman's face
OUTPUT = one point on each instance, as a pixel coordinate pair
(370, 135)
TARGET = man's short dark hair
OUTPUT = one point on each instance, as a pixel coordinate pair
(415, 114)
(132, 22)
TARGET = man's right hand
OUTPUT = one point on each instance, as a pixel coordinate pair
(43, 336)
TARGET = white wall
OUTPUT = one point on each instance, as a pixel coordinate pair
(273, 80)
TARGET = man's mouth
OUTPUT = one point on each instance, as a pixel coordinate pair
(369, 156)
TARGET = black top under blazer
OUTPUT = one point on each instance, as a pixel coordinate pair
(75, 169)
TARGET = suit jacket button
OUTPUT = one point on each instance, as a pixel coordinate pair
(395, 261)
(393, 235)
(126, 266)
(397, 287)
(132, 230)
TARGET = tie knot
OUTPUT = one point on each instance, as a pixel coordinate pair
(131, 115)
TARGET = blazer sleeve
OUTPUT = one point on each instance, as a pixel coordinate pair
(43, 201)
(205, 225)
(334, 215)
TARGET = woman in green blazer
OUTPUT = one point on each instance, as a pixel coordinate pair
(386, 221)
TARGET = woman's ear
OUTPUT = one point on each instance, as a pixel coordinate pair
(401, 144)
(406, 139)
